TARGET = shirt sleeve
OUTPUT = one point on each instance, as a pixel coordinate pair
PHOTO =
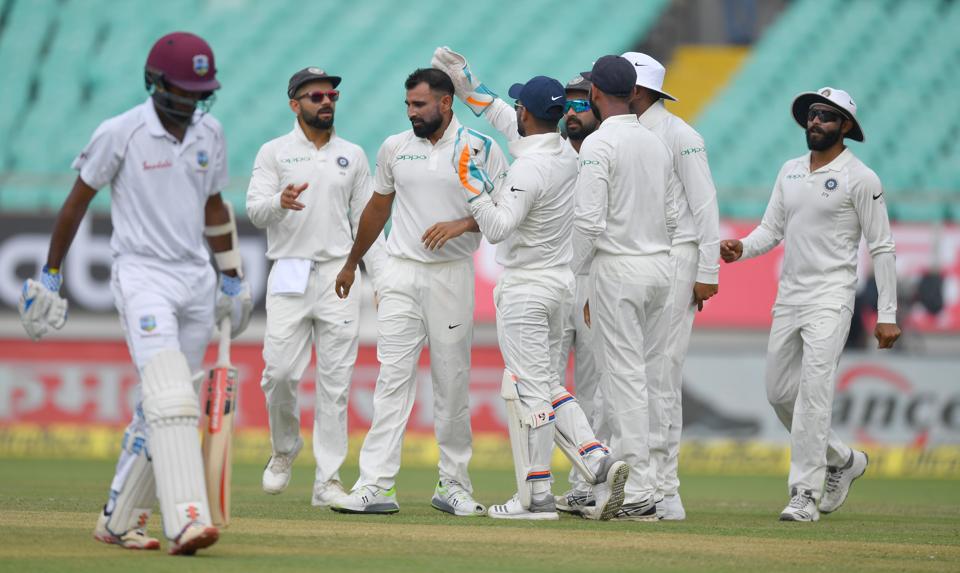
(101, 159)
(360, 194)
(671, 206)
(871, 209)
(503, 118)
(701, 195)
(263, 193)
(497, 219)
(383, 180)
(770, 231)
(221, 176)
(590, 215)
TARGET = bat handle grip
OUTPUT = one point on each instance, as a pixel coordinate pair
(223, 352)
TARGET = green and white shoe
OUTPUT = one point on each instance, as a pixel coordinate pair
(450, 496)
(368, 499)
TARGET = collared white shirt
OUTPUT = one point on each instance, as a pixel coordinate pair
(626, 193)
(820, 217)
(531, 212)
(698, 213)
(428, 192)
(158, 186)
(338, 188)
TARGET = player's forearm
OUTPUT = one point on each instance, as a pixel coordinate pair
(503, 118)
(68, 221)
(215, 215)
(265, 210)
(372, 221)
(885, 272)
(496, 223)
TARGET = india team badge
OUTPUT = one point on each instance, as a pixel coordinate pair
(201, 64)
(343, 162)
(148, 323)
(203, 159)
(830, 184)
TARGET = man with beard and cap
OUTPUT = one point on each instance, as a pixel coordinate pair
(426, 294)
(579, 122)
(695, 254)
(307, 190)
(626, 215)
(822, 203)
(165, 162)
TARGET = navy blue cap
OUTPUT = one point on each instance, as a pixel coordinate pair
(542, 96)
(613, 75)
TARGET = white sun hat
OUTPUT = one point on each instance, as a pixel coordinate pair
(650, 73)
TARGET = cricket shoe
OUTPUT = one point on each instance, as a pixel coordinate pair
(133, 539)
(453, 498)
(671, 508)
(276, 476)
(544, 509)
(327, 493)
(193, 537)
(575, 501)
(368, 499)
(802, 507)
(609, 493)
(644, 510)
(839, 480)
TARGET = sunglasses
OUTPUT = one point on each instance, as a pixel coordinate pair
(318, 96)
(825, 115)
(577, 105)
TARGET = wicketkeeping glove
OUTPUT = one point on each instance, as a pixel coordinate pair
(470, 151)
(468, 88)
(41, 305)
(234, 300)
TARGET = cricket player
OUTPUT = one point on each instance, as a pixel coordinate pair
(624, 224)
(695, 254)
(822, 203)
(579, 122)
(426, 293)
(165, 162)
(307, 190)
(530, 216)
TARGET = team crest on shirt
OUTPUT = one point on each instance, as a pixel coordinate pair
(343, 162)
(201, 64)
(203, 159)
(148, 323)
(830, 184)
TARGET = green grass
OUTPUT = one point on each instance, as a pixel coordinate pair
(48, 509)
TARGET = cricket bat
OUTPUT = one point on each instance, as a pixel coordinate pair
(220, 393)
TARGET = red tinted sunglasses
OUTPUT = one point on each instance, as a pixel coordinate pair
(318, 96)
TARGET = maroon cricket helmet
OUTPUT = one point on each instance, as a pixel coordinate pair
(184, 60)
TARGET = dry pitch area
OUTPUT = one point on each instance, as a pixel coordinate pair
(48, 509)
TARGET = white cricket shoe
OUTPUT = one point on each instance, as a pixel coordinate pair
(671, 508)
(575, 501)
(643, 510)
(276, 476)
(609, 493)
(368, 499)
(839, 480)
(133, 539)
(193, 537)
(327, 493)
(802, 507)
(450, 496)
(544, 509)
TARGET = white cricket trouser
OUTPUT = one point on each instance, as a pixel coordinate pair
(802, 357)
(421, 302)
(627, 308)
(162, 305)
(295, 323)
(578, 339)
(665, 429)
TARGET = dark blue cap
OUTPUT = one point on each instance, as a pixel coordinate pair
(613, 75)
(542, 96)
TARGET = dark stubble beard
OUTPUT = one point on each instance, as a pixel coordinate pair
(826, 141)
(428, 126)
(579, 132)
(315, 122)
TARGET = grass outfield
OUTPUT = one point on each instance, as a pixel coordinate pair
(48, 510)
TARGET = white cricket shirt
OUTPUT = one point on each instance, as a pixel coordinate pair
(531, 212)
(698, 213)
(158, 186)
(626, 193)
(428, 192)
(820, 217)
(339, 186)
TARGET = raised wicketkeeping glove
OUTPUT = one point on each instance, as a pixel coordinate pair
(41, 305)
(234, 300)
(468, 88)
(470, 151)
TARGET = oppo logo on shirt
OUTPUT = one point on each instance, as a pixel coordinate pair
(289, 160)
(165, 164)
(692, 150)
(589, 162)
(411, 157)
(795, 176)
